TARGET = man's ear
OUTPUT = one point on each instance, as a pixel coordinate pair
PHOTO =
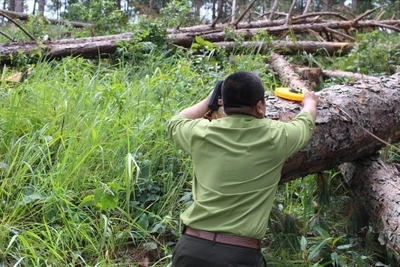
(260, 109)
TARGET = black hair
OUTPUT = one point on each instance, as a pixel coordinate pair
(242, 89)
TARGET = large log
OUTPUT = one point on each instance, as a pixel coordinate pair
(185, 39)
(376, 185)
(101, 45)
(353, 121)
(289, 47)
(343, 114)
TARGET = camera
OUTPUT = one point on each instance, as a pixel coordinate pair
(216, 94)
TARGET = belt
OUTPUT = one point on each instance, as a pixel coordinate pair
(223, 238)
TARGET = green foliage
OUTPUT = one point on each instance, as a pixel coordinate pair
(147, 37)
(375, 53)
(177, 13)
(102, 13)
(104, 198)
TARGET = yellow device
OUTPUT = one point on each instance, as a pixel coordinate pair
(286, 93)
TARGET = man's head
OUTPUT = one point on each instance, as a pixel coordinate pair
(243, 92)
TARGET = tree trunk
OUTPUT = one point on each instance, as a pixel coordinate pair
(326, 5)
(184, 39)
(288, 47)
(213, 16)
(12, 5)
(273, 10)
(307, 8)
(220, 8)
(233, 11)
(42, 4)
(354, 5)
(19, 6)
(376, 185)
(34, 7)
(353, 121)
(102, 45)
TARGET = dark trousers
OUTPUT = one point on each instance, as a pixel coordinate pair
(196, 252)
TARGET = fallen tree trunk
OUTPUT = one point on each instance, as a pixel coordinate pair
(23, 16)
(286, 73)
(184, 39)
(376, 185)
(352, 120)
(351, 76)
(343, 114)
(289, 47)
(96, 46)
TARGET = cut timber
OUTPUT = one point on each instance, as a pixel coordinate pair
(183, 39)
(351, 76)
(23, 16)
(346, 74)
(103, 45)
(376, 185)
(85, 47)
(286, 73)
(289, 47)
(338, 135)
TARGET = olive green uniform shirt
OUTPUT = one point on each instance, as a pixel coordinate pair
(237, 166)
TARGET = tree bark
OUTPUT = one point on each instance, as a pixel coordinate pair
(95, 46)
(42, 4)
(339, 138)
(307, 8)
(185, 39)
(12, 5)
(354, 5)
(376, 185)
(351, 120)
(326, 5)
(19, 6)
(288, 47)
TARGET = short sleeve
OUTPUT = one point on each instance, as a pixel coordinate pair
(298, 132)
(180, 131)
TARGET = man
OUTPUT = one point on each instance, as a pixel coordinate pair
(237, 166)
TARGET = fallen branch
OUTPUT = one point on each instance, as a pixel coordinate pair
(18, 25)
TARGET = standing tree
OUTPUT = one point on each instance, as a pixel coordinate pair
(327, 5)
(19, 6)
(42, 4)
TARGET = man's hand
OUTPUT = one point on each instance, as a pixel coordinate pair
(198, 110)
(310, 102)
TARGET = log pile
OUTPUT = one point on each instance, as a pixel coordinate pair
(331, 36)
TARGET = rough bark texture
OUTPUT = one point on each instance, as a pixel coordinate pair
(86, 47)
(377, 185)
(95, 46)
(337, 137)
(288, 47)
(184, 39)
(286, 73)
